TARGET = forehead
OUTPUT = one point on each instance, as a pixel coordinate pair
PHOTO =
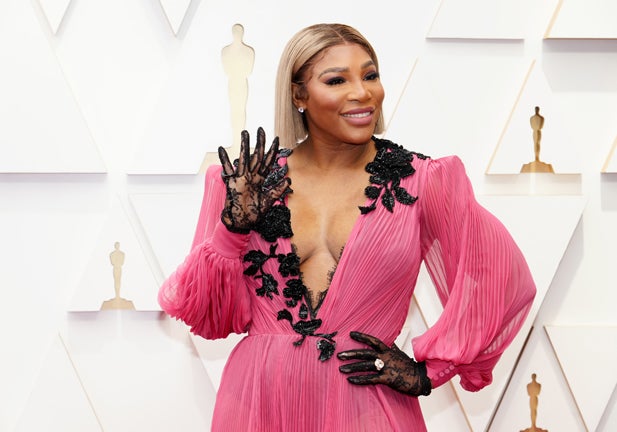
(342, 55)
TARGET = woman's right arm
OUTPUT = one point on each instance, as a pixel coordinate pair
(206, 291)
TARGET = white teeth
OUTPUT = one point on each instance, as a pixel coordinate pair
(361, 115)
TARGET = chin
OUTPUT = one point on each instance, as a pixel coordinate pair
(359, 137)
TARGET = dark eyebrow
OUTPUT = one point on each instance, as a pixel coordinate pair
(333, 69)
(345, 69)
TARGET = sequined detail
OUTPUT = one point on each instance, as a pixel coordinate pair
(391, 164)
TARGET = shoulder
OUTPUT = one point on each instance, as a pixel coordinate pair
(427, 171)
(213, 176)
(445, 176)
(214, 171)
(446, 166)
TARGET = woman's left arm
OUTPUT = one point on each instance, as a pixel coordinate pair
(481, 277)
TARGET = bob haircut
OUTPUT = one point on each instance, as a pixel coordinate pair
(299, 55)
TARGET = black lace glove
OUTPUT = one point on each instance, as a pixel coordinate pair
(252, 184)
(393, 367)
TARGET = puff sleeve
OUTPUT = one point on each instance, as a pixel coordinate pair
(207, 291)
(480, 275)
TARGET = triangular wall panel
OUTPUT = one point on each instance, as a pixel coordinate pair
(609, 419)
(214, 354)
(45, 410)
(54, 11)
(116, 55)
(495, 19)
(445, 84)
(122, 355)
(47, 224)
(585, 354)
(175, 10)
(584, 19)
(169, 221)
(516, 143)
(138, 282)
(610, 166)
(556, 409)
(43, 129)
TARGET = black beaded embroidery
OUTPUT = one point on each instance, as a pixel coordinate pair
(392, 163)
(275, 224)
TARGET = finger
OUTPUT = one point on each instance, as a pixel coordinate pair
(245, 153)
(278, 190)
(258, 154)
(228, 169)
(358, 354)
(269, 159)
(366, 366)
(369, 340)
(366, 379)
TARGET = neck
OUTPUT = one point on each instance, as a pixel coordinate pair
(326, 156)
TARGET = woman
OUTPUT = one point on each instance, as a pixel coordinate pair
(321, 277)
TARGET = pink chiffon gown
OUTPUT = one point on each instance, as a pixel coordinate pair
(283, 376)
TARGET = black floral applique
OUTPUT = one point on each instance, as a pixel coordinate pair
(391, 164)
(326, 344)
(257, 258)
(275, 224)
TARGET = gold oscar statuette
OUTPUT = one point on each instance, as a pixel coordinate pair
(533, 390)
(537, 166)
(116, 257)
(238, 59)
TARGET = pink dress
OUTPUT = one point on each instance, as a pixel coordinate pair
(284, 375)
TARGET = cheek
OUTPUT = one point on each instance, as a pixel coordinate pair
(327, 100)
(379, 94)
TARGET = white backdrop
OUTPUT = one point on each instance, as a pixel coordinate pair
(107, 110)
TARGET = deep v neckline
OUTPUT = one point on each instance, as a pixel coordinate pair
(325, 294)
(389, 166)
(351, 236)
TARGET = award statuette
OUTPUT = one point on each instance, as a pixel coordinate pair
(537, 122)
(116, 257)
(533, 390)
(238, 59)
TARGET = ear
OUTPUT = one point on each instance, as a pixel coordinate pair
(298, 92)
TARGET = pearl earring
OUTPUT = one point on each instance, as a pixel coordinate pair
(301, 110)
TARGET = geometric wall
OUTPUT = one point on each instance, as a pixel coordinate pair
(110, 108)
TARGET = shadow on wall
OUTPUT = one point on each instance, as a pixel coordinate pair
(608, 191)
(580, 65)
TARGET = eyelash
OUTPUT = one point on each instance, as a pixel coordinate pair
(339, 80)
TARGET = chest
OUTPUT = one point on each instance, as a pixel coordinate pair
(323, 214)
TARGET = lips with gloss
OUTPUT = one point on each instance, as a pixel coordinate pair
(359, 117)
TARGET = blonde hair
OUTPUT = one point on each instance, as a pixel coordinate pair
(300, 53)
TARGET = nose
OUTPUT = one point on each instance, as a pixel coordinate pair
(360, 91)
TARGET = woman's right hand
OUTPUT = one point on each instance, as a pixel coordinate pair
(250, 192)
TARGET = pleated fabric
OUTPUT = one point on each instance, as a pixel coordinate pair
(270, 384)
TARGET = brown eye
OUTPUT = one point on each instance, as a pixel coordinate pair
(335, 81)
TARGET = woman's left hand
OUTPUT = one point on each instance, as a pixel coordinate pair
(392, 367)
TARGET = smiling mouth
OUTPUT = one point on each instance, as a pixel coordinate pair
(359, 115)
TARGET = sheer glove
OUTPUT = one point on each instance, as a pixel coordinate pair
(392, 367)
(253, 184)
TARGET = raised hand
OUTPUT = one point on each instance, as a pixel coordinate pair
(250, 189)
(392, 367)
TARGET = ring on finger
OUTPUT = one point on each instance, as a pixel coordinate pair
(379, 364)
